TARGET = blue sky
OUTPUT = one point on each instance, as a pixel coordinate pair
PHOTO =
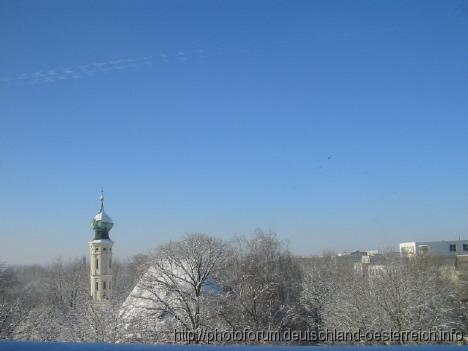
(337, 124)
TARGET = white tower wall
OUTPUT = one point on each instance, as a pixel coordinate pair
(101, 269)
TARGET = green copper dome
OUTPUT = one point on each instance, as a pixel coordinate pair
(102, 223)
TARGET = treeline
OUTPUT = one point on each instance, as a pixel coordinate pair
(201, 282)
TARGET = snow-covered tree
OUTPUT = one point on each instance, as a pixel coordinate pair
(414, 294)
(262, 285)
(14, 303)
(175, 290)
(321, 279)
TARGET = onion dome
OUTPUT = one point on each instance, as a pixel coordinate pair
(102, 223)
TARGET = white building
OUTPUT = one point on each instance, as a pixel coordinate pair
(434, 248)
(101, 256)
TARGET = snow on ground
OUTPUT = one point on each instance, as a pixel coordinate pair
(59, 346)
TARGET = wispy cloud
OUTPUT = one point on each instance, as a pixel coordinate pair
(90, 69)
(54, 75)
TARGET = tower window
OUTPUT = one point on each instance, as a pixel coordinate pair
(452, 247)
(97, 249)
(97, 286)
(104, 249)
(110, 285)
(110, 264)
(104, 285)
(97, 263)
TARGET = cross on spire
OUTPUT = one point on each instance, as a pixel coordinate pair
(102, 200)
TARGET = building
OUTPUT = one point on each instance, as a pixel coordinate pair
(101, 256)
(355, 256)
(370, 263)
(434, 248)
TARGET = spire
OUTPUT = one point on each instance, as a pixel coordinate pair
(102, 201)
(102, 223)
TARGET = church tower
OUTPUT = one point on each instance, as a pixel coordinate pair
(101, 256)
